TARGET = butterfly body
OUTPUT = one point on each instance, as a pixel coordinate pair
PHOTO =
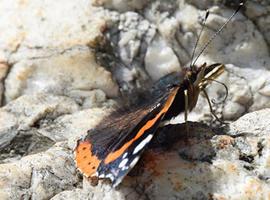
(113, 147)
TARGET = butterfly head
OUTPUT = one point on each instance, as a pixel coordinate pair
(201, 76)
(197, 78)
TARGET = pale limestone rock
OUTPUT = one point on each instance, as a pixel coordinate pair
(248, 87)
(45, 47)
(160, 60)
(8, 127)
(15, 180)
(259, 12)
(76, 70)
(72, 194)
(233, 110)
(256, 123)
(54, 24)
(120, 5)
(248, 49)
(39, 176)
(74, 126)
(3, 72)
(27, 110)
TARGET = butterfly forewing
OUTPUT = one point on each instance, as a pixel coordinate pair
(114, 147)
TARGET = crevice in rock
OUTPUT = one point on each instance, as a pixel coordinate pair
(53, 51)
(260, 147)
(246, 158)
(31, 182)
(264, 178)
(25, 143)
(249, 167)
(2, 103)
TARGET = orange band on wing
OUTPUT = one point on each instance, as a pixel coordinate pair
(86, 162)
(114, 155)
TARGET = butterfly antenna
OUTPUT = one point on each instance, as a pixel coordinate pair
(218, 32)
(198, 39)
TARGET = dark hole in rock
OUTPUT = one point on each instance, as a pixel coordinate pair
(260, 148)
(249, 167)
(25, 143)
(246, 158)
(264, 177)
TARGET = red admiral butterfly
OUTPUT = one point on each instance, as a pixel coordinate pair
(113, 147)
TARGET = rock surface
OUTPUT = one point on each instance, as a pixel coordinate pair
(63, 63)
(39, 176)
(223, 164)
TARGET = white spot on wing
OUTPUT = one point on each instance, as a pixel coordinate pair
(101, 176)
(123, 163)
(133, 163)
(125, 155)
(142, 144)
(110, 176)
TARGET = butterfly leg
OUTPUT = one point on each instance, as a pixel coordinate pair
(211, 109)
(186, 110)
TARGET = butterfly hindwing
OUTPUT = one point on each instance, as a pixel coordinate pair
(113, 148)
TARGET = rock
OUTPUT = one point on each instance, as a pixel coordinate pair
(160, 60)
(39, 176)
(245, 93)
(72, 127)
(8, 128)
(67, 74)
(256, 123)
(205, 165)
(73, 194)
(233, 110)
(246, 89)
(259, 13)
(253, 47)
(27, 110)
(175, 32)
(33, 25)
(53, 91)
(121, 6)
(3, 72)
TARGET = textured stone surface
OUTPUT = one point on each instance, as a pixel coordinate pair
(72, 127)
(224, 164)
(71, 74)
(121, 5)
(173, 28)
(38, 176)
(39, 25)
(26, 111)
(53, 90)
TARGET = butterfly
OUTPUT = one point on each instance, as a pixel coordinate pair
(113, 147)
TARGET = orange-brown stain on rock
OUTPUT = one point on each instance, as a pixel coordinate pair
(253, 188)
(176, 182)
(225, 141)
(150, 163)
(232, 168)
